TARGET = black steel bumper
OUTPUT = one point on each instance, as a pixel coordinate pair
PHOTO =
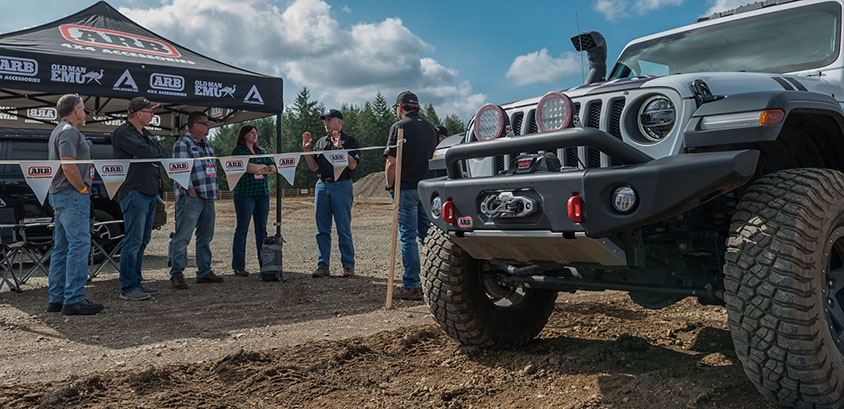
(665, 187)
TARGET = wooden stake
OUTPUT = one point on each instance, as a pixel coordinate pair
(396, 193)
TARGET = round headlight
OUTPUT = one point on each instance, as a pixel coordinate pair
(553, 112)
(656, 118)
(489, 122)
(436, 207)
(624, 199)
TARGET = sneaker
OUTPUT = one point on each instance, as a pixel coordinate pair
(349, 272)
(83, 307)
(209, 278)
(55, 307)
(178, 282)
(241, 273)
(149, 290)
(320, 272)
(412, 294)
(137, 294)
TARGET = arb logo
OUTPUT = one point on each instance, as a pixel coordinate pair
(178, 166)
(18, 66)
(286, 162)
(167, 82)
(40, 171)
(112, 169)
(234, 164)
(464, 222)
(100, 37)
(336, 157)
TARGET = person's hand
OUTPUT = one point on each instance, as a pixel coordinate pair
(191, 192)
(335, 140)
(307, 142)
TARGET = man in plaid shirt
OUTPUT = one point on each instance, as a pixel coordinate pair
(195, 204)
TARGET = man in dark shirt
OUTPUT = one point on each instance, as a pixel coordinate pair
(137, 195)
(333, 198)
(420, 142)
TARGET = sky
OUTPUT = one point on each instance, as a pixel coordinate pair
(456, 55)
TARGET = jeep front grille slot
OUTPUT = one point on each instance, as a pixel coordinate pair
(532, 128)
(593, 120)
(616, 106)
(516, 122)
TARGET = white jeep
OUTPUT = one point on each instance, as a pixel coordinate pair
(707, 164)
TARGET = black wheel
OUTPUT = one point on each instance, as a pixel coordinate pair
(104, 234)
(784, 286)
(475, 310)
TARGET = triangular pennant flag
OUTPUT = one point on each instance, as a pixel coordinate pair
(178, 169)
(113, 173)
(39, 175)
(286, 165)
(338, 159)
(235, 167)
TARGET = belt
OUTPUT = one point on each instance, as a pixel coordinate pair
(331, 180)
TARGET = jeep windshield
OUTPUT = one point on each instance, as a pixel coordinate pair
(791, 40)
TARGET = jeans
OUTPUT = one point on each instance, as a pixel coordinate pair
(413, 224)
(138, 214)
(193, 214)
(245, 207)
(334, 199)
(71, 243)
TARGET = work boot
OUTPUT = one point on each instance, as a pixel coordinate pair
(412, 294)
(135, 295)
(349, 272)
(149, 290)
(209, 278)
(83, 307)
(178, 282)
(55, 307)
(241, 273)
(320, 272)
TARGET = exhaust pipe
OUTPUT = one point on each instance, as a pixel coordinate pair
(596, 49)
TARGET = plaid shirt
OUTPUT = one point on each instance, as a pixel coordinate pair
(251, 184)
(203, 176)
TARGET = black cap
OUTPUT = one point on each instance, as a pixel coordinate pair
(139, 103)
(407, 98)
(441, 130)
(332, 113)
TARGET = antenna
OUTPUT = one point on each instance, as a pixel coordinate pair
(580, 39)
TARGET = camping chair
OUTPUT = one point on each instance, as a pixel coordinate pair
(12, 250)
(39, 249)
(104, 231)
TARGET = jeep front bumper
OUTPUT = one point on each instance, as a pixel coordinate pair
(665, 187)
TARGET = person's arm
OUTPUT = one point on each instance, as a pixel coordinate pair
(129, 142)
(390, 172)
(71, 172)
(251, 167)
(353, 154)
(181, 151)
(307, 143)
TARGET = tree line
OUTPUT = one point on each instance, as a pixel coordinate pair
(369, 123)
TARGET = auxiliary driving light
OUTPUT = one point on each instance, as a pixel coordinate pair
(553, 112)
(437, 207)
(490, 122)
(624, 199)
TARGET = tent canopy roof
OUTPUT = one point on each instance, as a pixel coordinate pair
(109, 59)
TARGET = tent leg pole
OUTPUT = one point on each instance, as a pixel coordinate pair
(278, 177)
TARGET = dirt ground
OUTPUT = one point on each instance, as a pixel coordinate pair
(314, 343)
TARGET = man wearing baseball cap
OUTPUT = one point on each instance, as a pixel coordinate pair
(138, 194)
(333, 197)
(420, 143)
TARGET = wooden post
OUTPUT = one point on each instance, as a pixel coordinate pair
(396, 192)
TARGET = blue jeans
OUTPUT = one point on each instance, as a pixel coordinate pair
(334, 199)
(249, 207)
(193, 214)
(138, 214)
(413, 224)
(71, 243)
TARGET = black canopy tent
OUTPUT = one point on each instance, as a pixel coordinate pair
(109, 59)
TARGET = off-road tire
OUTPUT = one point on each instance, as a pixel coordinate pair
(777, 286)
(454, 291)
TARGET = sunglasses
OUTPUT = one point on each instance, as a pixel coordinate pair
(206, 123)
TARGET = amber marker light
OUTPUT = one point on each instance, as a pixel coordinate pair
(771, 117)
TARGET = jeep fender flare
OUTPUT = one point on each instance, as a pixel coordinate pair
(788, 101)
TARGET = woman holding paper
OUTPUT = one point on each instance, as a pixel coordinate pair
(251, 197)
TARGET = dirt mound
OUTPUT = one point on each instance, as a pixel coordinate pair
(371, 185)
(593, 354)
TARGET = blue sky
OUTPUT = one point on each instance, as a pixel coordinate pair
(456, 55)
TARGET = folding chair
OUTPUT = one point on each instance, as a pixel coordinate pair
(12, 250)
(101, 231)
(33, 246)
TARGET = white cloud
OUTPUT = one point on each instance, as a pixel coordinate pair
(307, 46)
(539, 67)
(721, 5)
(618, 9)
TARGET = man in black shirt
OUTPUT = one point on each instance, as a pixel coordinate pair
(420, 142)
(137, 195)
(333, 198)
